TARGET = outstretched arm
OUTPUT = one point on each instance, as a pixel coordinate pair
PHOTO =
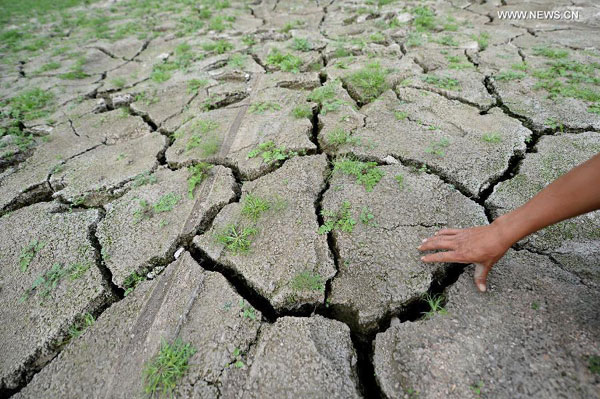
(570, 195)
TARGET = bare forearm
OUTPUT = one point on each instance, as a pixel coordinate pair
(572, 194)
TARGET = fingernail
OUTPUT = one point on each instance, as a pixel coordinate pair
(436, 233)
(424, 239)
(481, 287)
(422, 258)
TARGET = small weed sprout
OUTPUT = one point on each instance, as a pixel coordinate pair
(132, 281)
(366, 216)
(236, 61)
(308, 281)
(197, 174)
(476, 388)
(435, 306)
(270, 153)
(482, 40)
(143, 212)
(549, 52)
(254, 207)
(248, 311)
(302, 111)
(340, 220)
(163, 372)
(236, 238)
(437, 148)
(400, 181)
(263, 106)
(81, 325)
(366, 173)
(492, 138)
(28, 253)
(400, 115)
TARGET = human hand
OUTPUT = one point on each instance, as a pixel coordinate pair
(482, 245)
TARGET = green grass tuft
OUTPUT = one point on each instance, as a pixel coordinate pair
(270, 153)
(443, 82)
(236, 238)
(261, 107)
(197, 174)
(29, 252)
(302, 111)
(286, 62)
(308, 281)
(132, 281)
(366, 173)
(435, 306)
(338, 220)
(164, 371)
(369, 81)
(254, 207)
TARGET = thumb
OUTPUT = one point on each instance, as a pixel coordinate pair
(480, 276)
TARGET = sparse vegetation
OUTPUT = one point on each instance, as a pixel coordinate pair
(302, 111)
(132, 281)
(438, 147)
(594, 364)
(254, 207)
(261, 107)
(366, 216)
(301, 44)
(195, 85)
(47, 282)
(164, 371)
(400, 181)
(338, 220)
(308, 281)
(509, 75)
(338, 137)
(366, 173)
(443, 82)
(370, 81)
(143, 179)
(86, 321)
(220, 46)
(197, 174)
(492, 138)
(29, 252)
(237, 238)
(286, 62)
(270, 153)
(549, 52)
(326, 97)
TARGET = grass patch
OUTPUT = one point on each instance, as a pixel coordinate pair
(29, 104)
(510, 75)
(366, 216)
(166, 203)
(254, 207)
(261, 107)
(164, 371)
(438, 147)
(424, 19)
(482, 40)
(47, 282)
(326, 97)
(195, 85)
(370, 81)
(492, 138)
(236, 61)
(302, 111)
(443, 82)
(594, 364)
(301, 44)
(366, 173)
(270, 153)
(28, 253)
(550, 52)
(220, 46)
(339, 137)
(286, 62)
(338, 220)
(308, 281)
(197, 174)
(237, 238)
(400, 181)
(203, 139)
(132, 281)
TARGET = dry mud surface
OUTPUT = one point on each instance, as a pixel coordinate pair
(253, 178)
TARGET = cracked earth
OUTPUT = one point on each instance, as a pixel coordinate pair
(253, 178)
